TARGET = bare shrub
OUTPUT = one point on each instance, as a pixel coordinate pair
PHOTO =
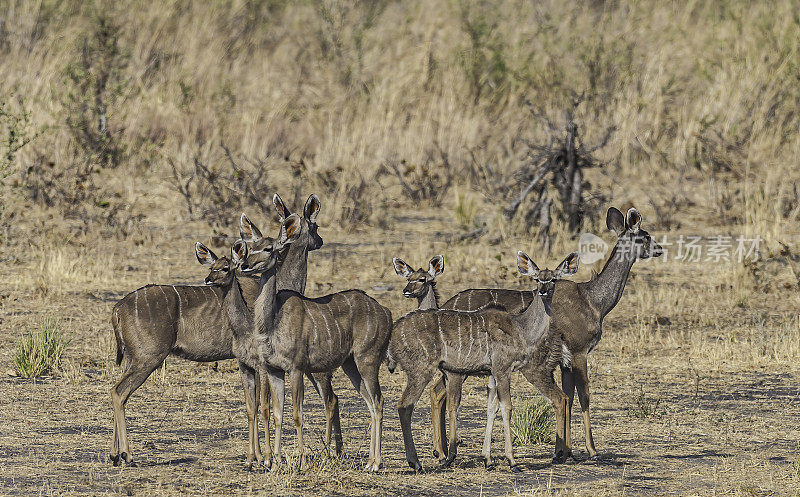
(218, 189)
(555, 173)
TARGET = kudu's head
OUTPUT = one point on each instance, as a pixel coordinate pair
(265, 254)
(421, 280)
(545, 278)
(223, 268)
(308, 235)
(248, 261)
(634, 242)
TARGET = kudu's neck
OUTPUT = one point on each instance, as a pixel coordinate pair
(294, 269)
(265, 307)
(430, 300)
(535, 319)
(604, 291)
(240, 318)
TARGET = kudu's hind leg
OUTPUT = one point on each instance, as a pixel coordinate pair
(581, 375)
(492, 406)
(133, 377)
(368, 387)
(546, 385)
(438, 393)
(568, 386)
(455, 382)
(333, 424)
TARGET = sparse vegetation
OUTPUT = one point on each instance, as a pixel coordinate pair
(40, 350)
(129, 131)
(646, 407)
(532, 422)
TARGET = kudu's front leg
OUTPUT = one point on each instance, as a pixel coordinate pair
(264, 395)
(249, 384)
(296, 379)
(504, 394)
(277, 387)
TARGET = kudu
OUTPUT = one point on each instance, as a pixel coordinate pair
(489, 340)
(578, 312)
(299, 335)
(421, 285)
(187, 321)
(292, 276)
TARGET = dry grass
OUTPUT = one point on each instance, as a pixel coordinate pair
(328, 96)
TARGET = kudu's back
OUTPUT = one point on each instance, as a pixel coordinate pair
(184, 320)
(322, 332)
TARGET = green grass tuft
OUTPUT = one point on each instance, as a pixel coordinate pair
(40, 350)
(645, 407)
(532, 422)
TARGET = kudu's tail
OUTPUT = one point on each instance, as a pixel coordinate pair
(390, 362)
(117, 336)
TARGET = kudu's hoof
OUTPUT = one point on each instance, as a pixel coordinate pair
(417, 467)
(488, 465)
(436, 454)
(559, 457)
(516, 468)
(127, 459)
(114, 458)
(449, 461)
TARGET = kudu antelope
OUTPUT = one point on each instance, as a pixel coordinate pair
(578, 312)
(421, 285)
(187, 321)
(292, 276)
(300, 335)
(486, 341)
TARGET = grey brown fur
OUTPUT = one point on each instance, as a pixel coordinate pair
(187, 321)
(578, 311)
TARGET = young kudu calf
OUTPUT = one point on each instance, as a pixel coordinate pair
(422, 286)
(486, 341)
(578, 312)
(300, 335)
(187, 321)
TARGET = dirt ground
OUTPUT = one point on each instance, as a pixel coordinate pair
(695, 387)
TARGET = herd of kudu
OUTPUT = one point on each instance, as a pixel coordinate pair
(253, 308)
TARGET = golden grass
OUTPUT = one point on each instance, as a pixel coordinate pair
(327, 93)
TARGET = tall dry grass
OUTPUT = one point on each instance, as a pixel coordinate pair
(327, 95)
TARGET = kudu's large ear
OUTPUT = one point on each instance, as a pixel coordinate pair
(204, 254)
(401, 268)
(280, 207)
(239, 252)
(633, 220)
(568, 266)
(436, 265)
(311, 209)
(525, 265)
(290, 230)
(615, 221)
(247, 230)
